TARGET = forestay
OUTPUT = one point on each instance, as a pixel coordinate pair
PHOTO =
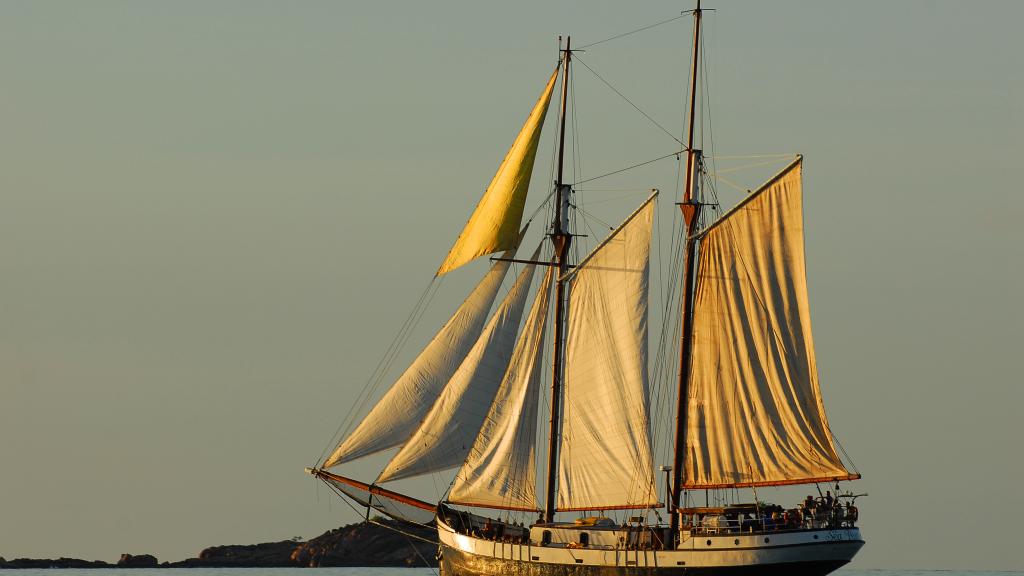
(495, 221)
(397, 415)
(500, 470)
(605, 459)
(446, 434)
(755, 415)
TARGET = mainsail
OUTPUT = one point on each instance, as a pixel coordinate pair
(446, 434)
(605, 458)
(499, 471)
(755, 414)
(397, 415)
(494, 225)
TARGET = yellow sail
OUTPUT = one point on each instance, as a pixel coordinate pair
(494, 225)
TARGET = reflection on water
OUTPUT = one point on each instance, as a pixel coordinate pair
(406, 572)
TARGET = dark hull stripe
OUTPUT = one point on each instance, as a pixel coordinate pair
(772, 547)
(457, 563)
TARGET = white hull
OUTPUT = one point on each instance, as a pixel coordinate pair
(792, 552)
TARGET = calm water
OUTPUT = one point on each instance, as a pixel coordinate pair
(408, 572)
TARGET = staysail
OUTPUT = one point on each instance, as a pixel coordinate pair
(755, 414)
(397, 415)
(500, 471)
(494, 225)
(446, 434)
(605, 458)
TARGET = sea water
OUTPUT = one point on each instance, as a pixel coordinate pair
(404, 572)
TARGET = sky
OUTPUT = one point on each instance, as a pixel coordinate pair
(215, 216)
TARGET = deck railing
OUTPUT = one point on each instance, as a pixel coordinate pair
(791, 520)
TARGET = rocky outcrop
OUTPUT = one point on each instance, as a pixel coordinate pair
(265, 555)
(368, 545)
(364, 544)
(52, 563)
(140, 561)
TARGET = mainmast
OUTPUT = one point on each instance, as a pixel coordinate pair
(691, 215)
(561, 239)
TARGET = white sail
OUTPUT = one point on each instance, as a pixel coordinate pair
(605, 458)
(446, 434)
(500, 470)
(397, 415)
(755, 413)
(496, 218)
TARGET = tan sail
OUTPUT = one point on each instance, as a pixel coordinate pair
(444, 437)
(499, 471)
(605, 458)
(755, 413)
(397, 415)
(494, 225)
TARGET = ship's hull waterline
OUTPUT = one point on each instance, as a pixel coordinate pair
(803, 553)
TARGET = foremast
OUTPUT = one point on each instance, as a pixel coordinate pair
(561, 239)
(691, 215)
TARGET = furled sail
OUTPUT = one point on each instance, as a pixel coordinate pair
(494, 225)
(387, 501)
(755, 415)
(500, 472)
(446, 434)
(605, 458)
(397, 415)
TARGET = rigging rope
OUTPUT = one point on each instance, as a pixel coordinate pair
(669, 155)
(624, 34)
(577, 167)
(392, 528)
(739, 188)
(746, 156)
(630, 102)
(747, 166)
(843, 450)
(383, 365)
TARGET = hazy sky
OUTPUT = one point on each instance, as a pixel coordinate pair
(214, 216)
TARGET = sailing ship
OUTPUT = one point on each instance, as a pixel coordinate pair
(748, 408)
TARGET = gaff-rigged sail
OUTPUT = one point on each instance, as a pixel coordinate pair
(499, 471)
(397, 415)
(494, 225)
(605, 457)
(755, 415)
(446, 434)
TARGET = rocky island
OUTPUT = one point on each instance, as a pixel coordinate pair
(378, 543)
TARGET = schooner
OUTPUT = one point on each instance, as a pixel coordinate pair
(748, 409)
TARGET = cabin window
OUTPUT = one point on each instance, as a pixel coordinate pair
(545, 538)
(584, 539)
